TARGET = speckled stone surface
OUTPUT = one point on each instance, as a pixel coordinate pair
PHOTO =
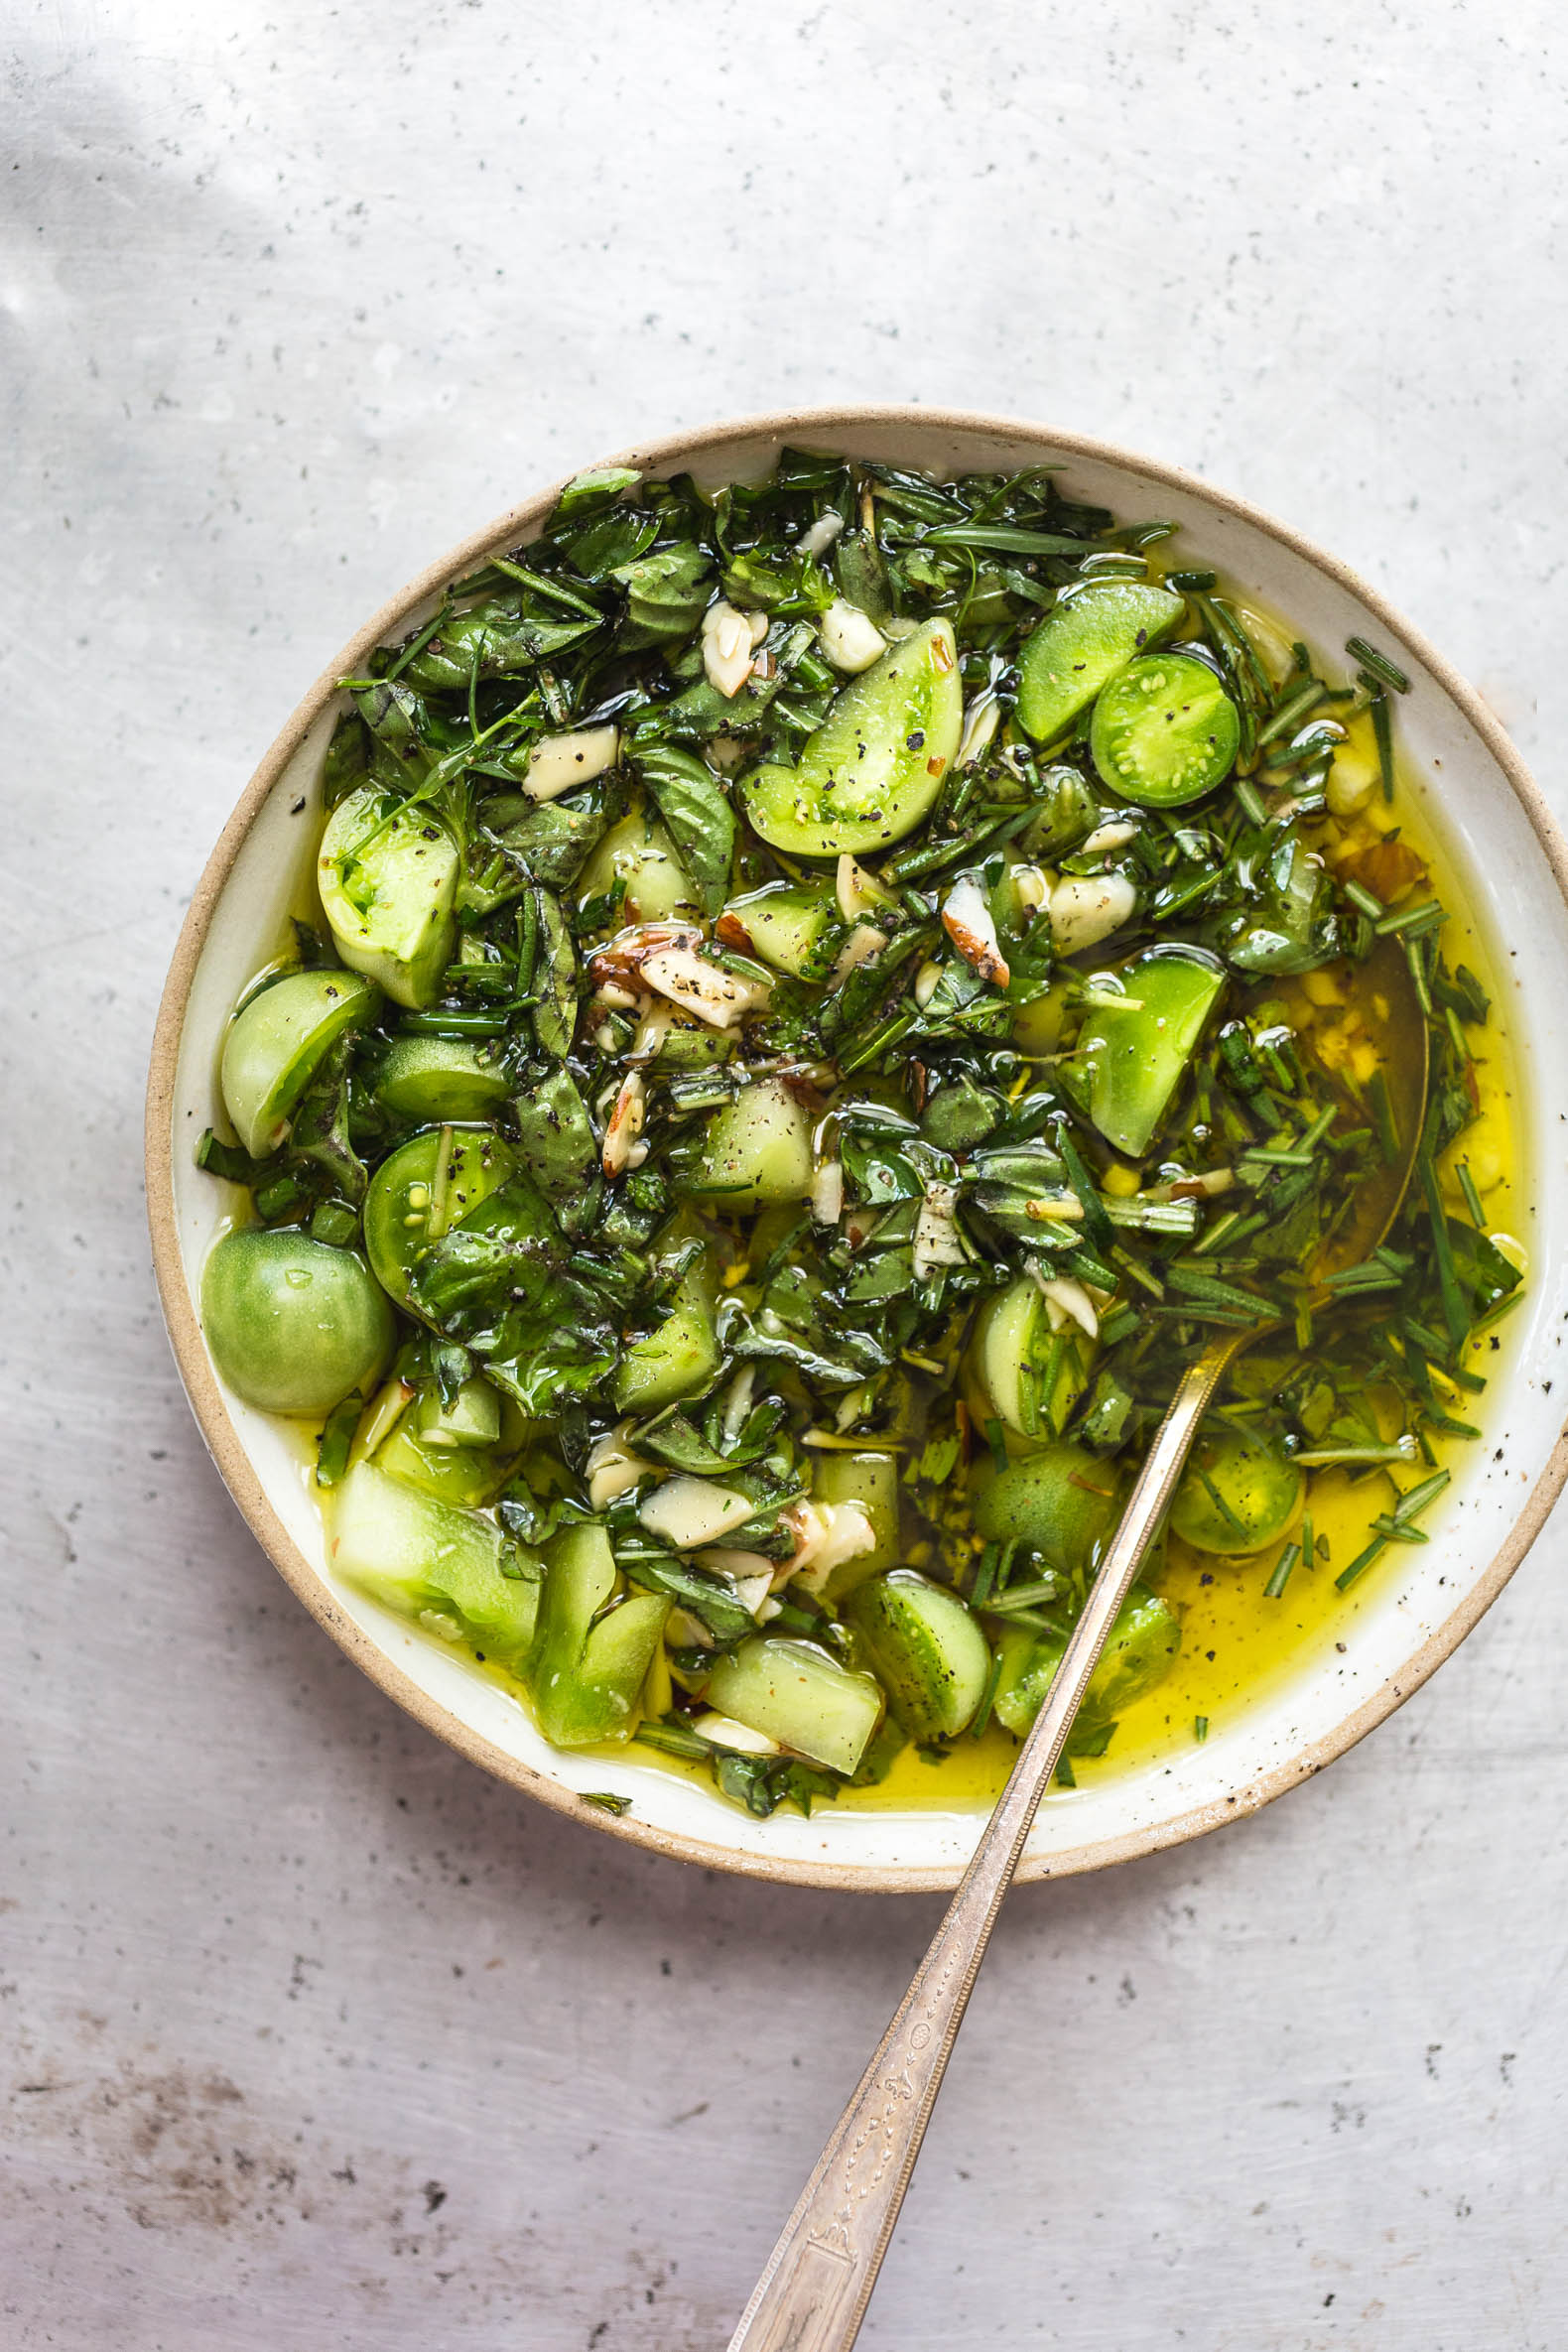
(312, 2035)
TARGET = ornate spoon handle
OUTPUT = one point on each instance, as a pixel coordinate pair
(813, 2293)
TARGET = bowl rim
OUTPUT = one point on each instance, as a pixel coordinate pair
(674, 450)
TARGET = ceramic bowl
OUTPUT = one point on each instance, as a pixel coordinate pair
(1395, 1629)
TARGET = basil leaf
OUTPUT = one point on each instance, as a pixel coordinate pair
(700, 821)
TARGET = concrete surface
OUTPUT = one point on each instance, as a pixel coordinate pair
(312, 2037)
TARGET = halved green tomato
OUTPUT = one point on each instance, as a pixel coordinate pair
(1237, 1494)
(1139, 1652)
(275, 1044)
(387, 873)
(1083, 641)
(875, 765)
(1135, 1053)
(427, 1186)
(929, 1653)
(439, 1077)
(1031, 1376)
(1165, 731)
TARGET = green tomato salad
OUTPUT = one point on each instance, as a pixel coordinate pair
(820, 999)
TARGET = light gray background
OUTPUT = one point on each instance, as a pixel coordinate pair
(315, 2037)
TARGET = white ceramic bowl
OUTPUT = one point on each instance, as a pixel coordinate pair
(1395, 1628)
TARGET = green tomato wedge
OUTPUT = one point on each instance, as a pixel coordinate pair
(427, 1186)
(927, 1650)
(1237, 1494)
(388, 877)
(1061, 1503)
(591, 1652)
(275, 1045)
(681, 1355)
(293, 1324)
(875, 765)
(792, 925)
(871, 1480)
(1165, 731)
(799, 1695)
(757, 1148)
(1032, 1377)
(1135, 1053)
(1138, 1654)
(445, 1078)
(639, 854)
(432, 1560)
(1083, 642)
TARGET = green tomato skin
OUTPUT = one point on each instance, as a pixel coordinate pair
(293, 1324)
(1060, 1502)
(390, 904)
(1139, 1651)
(1259, 1492)
(874, 767)
(275, 1046)
(639, 853)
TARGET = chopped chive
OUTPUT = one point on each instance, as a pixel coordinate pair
(1200, 1728)
(1370, 905)
(1361, 1562)
(1286, 716)
(1383, 1118)
(1398, 1530)
(1329, 1457)
(1467, 1185)
(985, 1574)
(995, 1438)
(1288, 1559)
(1382, 733)
(1380, 665)
(1188, 583)
(1412, 922)
(1415, 1499)
(1250, 799)
(672, 1740)
(1308, 1548)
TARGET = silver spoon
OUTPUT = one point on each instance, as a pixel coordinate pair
(813, 2293)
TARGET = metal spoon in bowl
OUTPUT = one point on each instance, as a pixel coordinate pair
(814, 2291)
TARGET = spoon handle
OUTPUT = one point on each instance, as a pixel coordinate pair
(813, 2293)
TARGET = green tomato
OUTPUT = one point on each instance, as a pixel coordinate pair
(1060, 1502)
(639, 853)
(1164, 731)
(874, 767)
(387, 873)
(1139, 1651)
(275, 1046)
(1136, 1054)
(1238, 1493)
(443, 1174)
(1091, 634)
(293, 1324)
